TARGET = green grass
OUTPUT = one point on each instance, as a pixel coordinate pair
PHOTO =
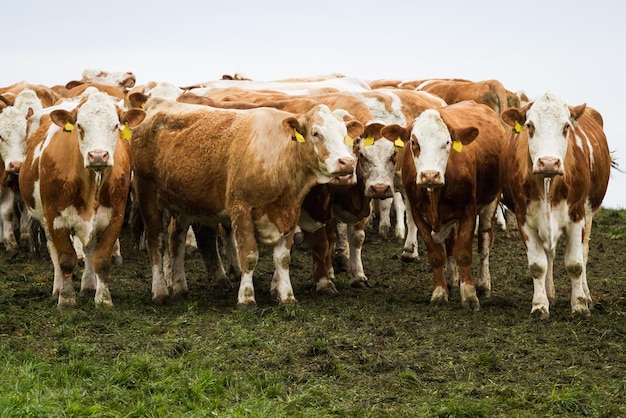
(380, 352)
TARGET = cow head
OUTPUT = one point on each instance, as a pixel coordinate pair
(376, 162)
(547, 121)
(430, 140)
(12, 138)
(98, 123)
(327, 133)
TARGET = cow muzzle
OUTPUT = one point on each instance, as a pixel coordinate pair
(98, 159)
(548, 167)
(431, 179)
(14, 167)
(379, 191)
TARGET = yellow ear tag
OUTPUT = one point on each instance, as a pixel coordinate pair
(143, 105)
(348, 141)
(369, 141)
(126, 133)
(457, 146)
(518, 128)
(399, 143)
(298, 135)
(68, 127)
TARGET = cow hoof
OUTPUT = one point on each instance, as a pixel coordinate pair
(408, 258)
(160, 299)
(540, 314)
(87, 293)
(361, 284)
(471, 304)
(67, 303)
(483, 293)
(439, 297)
(117, 260)
(288, 301)
(246, 305)
(327, 291)
(581, 312)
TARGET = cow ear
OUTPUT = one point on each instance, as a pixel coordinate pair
(464, 135)
(74, 83)
(355, 128)
(294, 128)
(138, 99)
(577, 111)
(4, 100)
(513, 117)
(64, 119)
(133, 117)
(395, 132)
(30, 112)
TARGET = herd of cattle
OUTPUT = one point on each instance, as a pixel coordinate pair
(242, 162)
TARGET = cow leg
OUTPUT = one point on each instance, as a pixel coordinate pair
(281, 289)
(6, 211)
(88, 281)
(64, 260)
(230, 248)
(409, 252)
(538, 266)
(117, 253)
(248, 253)
(575, 267)
(178, 228)
(462, 252)
(485, 242)
(24, 224)
(206, 240)
(154, 235)
(341, 252)
(356, 237)
(320, 253)
(587, 231)
(384, 217)
(400, 209)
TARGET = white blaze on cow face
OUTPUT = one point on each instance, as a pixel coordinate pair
(548, 122)
(328, 133)
(98, 126)
(430, 145)
(377, 167)
(12, 138)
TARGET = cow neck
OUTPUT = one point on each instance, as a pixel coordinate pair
(434, 196)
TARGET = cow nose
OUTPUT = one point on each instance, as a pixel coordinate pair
(431, 178)
(381, 191)
(14, 166)
(346, 165)
(549, 166)
(98, 157)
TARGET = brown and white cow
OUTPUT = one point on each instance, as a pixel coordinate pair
(247, 169)
(13, 131)
(75, 181)
(121, 80)
(555, 173)
(451, 174)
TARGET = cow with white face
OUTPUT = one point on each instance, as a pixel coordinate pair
(450, 174)
(13, 131)
(75, 181)
(555, 171)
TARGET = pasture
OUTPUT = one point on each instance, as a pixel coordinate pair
(383, 351)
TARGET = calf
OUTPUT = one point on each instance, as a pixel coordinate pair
(555, 172)
(75, 181)
(450, 174)
(246, 169)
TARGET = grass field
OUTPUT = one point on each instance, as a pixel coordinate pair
(383, 351)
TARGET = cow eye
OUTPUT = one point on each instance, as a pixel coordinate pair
(565, 129)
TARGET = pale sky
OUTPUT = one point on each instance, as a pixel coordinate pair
(576, 49)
